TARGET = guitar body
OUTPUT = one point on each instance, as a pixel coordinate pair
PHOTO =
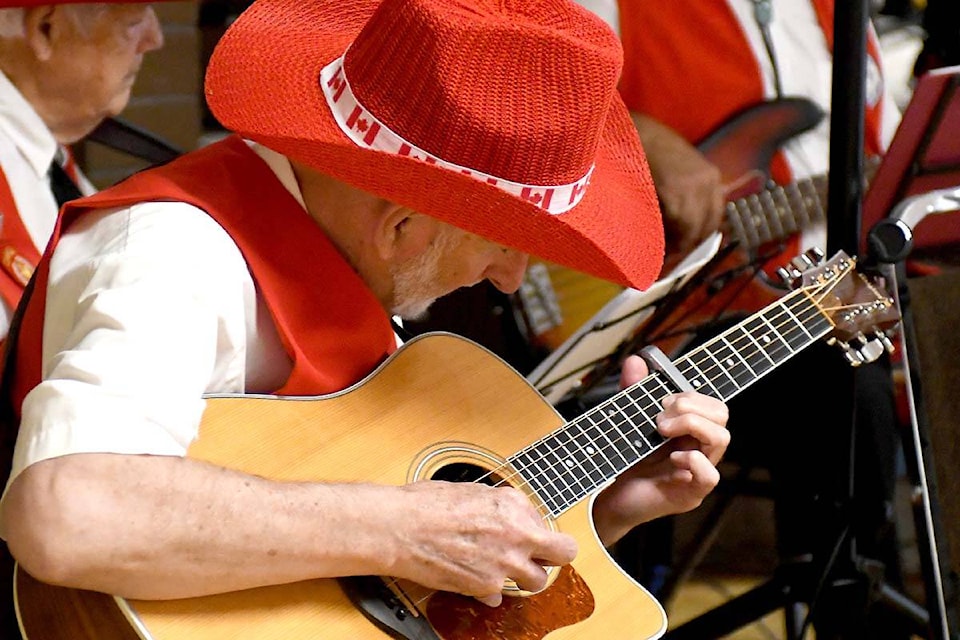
(439, 401)
(743, 149)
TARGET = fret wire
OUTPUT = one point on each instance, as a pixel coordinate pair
(560, 484)
(602, 443)
(699, 380)
(753, 237)
(568, 461)
(766, 203)
(651, 435)
(763, 222)
(619, 419)
(811, 199)
(723, 370)
(789, 316)
(650, 403)
(767, 317)
(536, 478)
(818, 186)
(779, 196)
(568, 467)
(734, 219)
(763, 365)
(735, 355)
(800, 324)
(594, 475)
(798, 204)
(629, 405)
(590, 415)
(590, 448)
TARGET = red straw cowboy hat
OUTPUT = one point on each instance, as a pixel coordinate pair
(498, 116)
(25, 4)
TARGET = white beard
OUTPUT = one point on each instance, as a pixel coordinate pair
(415, 282)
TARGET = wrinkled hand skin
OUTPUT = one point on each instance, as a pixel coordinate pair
(470, 538)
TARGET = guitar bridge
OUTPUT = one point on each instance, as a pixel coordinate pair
(385, 609)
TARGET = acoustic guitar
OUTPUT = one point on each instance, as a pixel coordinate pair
(759, 216)
(444, 408)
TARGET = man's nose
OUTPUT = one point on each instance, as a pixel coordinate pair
(507, 269)
(152, 35)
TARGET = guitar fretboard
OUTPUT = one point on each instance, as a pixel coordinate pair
(572, 462)
(778, 212)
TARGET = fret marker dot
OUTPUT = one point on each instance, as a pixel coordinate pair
(569, 463)
(591, 450)
(766, 338)
(729, 362)
(638, 444)
(695, 382)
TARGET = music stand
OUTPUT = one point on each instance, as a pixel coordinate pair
(598, 339)
(924, 156)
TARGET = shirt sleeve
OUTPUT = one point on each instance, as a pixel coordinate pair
(146, 312)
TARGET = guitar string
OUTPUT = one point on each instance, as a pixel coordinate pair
(655, 402)
(781, 312)
(794, 322)
(782, 308)
(794, 325)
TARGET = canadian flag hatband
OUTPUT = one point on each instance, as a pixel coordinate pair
(365, 130)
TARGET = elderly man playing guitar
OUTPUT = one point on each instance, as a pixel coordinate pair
(387, 154)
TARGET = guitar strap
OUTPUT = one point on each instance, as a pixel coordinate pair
(121, 135)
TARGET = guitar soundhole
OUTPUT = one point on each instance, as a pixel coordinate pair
(466, 472)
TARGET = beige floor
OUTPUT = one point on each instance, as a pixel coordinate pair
(747, 538)
(701, 594)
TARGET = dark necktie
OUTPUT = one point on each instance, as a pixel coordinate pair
(64, 189)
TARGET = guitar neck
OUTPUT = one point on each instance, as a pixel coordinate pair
(572, 462)
(776, 213)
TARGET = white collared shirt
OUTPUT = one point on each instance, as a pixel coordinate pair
(26, 150)
(159, 282)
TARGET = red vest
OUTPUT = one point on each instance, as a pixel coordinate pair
(18, 255)
(700, 43)
(331, 325)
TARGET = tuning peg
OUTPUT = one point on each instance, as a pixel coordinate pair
(871, 350)
(785, 276)
(885, 341)
(851, 355)
(802, 262)
(815, 255)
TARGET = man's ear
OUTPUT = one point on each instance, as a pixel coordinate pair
(402, 233)
(40, 25)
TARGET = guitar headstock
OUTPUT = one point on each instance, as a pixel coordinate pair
(860, 310)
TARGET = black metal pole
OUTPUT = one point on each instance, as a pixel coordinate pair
(839, 609)
(845, 182)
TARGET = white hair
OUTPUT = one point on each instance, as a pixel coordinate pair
(84, 16)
